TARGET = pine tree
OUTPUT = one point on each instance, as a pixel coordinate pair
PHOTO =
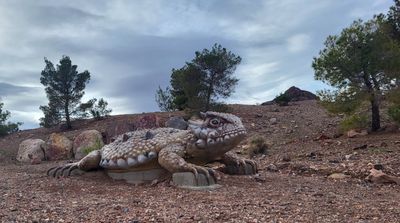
(64, 87)
(7, 127)
(201, 82)
(362, 63)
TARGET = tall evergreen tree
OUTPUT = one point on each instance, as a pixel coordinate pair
(64, 87)
(393, 18)
(201, 82)
(216, 66)
(362, 63)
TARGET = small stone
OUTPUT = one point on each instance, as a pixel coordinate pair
(322, 137)
(378, 166)
(353, 133)
(177, 123)
(273, 121)
(286, 158)
(272, 168)
(259, 179)
(338, 176)
(125, 210)
(312, 155)
(360, 147)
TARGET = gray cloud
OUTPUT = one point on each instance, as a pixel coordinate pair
(10, 89)
(130, 47)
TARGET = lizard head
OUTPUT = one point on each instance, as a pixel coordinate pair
(217, 131)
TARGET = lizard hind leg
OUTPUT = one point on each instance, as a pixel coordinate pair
(171, 158)
(89, 162)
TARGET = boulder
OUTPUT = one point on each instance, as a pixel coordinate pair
(117, 128)
(148, 121)
(176, 123)
(86, 142)
(31, 151)
(58, 147)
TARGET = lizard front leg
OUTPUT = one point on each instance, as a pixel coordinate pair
(171, 158)
(89, 162)
(237, 165)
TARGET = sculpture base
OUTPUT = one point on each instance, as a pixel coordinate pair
(188, 181)
(140, 176)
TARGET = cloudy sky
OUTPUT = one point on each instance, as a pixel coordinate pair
(130, 47)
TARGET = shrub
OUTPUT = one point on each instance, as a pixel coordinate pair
(257, 145)
(97, 145)
(394, 113)
(282, 99)
(355, 121)
(97, 111)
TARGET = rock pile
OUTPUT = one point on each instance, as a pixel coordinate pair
(295, 94)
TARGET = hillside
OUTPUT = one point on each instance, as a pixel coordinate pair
(292, 184)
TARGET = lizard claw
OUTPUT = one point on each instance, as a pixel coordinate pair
(58, 171)
(242, 167)
(207, 172)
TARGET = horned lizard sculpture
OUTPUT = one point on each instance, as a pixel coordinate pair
(175, 150)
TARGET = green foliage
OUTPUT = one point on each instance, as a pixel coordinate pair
(394, 113)
(64, 88)
(282, 99)
(51, 117)
(164, 99)
(199, 84)
(97, 145)
(188, 89)
(355, 121)
(336, 102)
(7, 127)
(362, 63)
(97, 111)
(394, 20)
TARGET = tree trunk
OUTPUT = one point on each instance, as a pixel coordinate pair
(376, 123)
(374, 94)
(208, 98)
(209, 92)
(67, 118)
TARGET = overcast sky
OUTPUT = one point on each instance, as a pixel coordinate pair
(130, 47)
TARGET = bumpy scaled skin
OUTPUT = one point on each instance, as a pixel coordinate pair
(175, 150)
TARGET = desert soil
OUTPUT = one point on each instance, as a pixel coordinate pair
(292, 184)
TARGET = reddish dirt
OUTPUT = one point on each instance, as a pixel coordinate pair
(292, 184)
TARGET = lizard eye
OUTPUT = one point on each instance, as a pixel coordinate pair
(215, 122)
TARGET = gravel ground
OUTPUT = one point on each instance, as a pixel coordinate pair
(292, 185)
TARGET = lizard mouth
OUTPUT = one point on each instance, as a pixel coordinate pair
(207, 137)
(217, 129)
